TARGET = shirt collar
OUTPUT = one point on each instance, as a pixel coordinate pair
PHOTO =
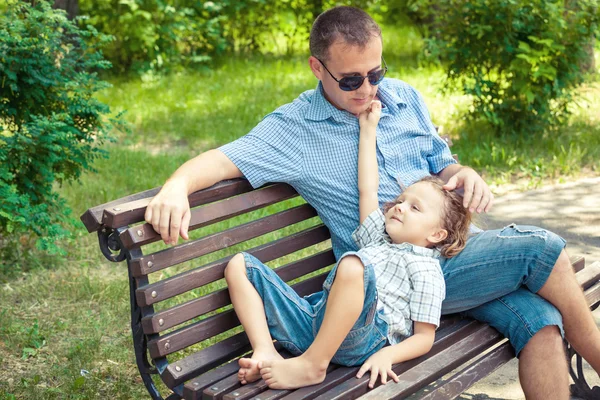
(413, 248)
(321, 109)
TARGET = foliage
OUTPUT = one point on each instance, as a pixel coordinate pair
(518, 59)
(51, 126)
(164, 35)
(157, 34)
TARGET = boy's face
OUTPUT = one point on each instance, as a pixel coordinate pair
(345, 60)
(416, 217)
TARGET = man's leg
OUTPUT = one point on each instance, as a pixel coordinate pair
(563, 290)
(543, 371)
(533, 326)
(344, 306)
(496, 265)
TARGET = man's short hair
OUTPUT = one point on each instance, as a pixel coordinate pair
(348, 24)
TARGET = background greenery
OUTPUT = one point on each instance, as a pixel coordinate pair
(64, 320)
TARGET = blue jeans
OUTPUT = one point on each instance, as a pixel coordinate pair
(495, 278)
(294, 321)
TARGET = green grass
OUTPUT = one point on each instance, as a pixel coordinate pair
(68, 315)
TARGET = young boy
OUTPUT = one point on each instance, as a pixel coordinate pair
(399, 298)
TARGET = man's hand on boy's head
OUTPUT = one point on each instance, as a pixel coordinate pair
(477, 194)
(370, 117)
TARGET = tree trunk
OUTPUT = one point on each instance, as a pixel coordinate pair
(70, 6)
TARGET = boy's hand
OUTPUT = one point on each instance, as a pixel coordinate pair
(379, 363)
(370, 117)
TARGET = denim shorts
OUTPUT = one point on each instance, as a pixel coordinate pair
(294, 320)
(495, 278)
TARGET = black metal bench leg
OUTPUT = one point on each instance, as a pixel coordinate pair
(580, 388)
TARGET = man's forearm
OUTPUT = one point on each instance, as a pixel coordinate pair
(204, 171)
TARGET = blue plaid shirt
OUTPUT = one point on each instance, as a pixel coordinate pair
(313, 146)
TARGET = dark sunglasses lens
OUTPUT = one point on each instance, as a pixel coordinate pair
(376, 77)
(350, 83)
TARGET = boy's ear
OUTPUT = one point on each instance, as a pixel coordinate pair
(437, 236)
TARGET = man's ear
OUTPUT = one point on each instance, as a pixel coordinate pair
(316, 67)
(437, 236)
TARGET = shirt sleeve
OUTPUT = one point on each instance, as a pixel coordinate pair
(428, 292)
(271, 152)
(439, 155)
(371, 231)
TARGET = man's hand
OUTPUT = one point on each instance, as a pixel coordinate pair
(477, 194)
(370, 117)
(169, 212)
(379, 363)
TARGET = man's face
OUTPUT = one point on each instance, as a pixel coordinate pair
(345, 60)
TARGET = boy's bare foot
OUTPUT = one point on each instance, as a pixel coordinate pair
(249, 371)
(291, 373)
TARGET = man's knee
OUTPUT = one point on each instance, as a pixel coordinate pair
(235, 267)
(350, 269)
(563, 264)
(547, 344)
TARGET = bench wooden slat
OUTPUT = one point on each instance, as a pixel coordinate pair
(92, 218)
(212, 213)
(466, 378)
(133, 211)
(221, 388)
(201, 276)
(589, 275)
(171, 317)
(193, 333)
(205, 359)
(198, 384)
(429, 370)
(218, 241)
(578, 262)
(443, 336)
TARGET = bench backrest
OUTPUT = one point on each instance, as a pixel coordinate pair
(185, 306)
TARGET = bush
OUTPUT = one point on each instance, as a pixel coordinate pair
(518, 59)
(156, 34)
(51, 126)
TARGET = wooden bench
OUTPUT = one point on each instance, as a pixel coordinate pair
(185, 331)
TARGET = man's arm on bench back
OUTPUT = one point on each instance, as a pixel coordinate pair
(169, 210)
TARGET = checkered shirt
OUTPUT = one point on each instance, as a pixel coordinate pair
(313, 146)
(410, 283)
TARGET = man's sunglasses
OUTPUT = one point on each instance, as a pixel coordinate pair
(350, 83)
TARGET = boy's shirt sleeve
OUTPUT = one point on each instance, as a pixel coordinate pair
(429, 290)
(371, 231)
(271, 152)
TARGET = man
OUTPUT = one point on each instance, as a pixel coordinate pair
(502, 277)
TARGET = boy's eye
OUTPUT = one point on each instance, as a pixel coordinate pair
(415, 208)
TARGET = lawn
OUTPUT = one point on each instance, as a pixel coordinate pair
(64, 321)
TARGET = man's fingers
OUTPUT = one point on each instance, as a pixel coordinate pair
(451, 184)
(383, 377)
(489, 205)
(468, 193)
(477, 197)
(393, 375)
(163, 225)
(156, 220)
(148, 215)
(185, 224)
(176, 216)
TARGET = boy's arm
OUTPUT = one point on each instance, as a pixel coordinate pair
(368, 173)
(415, 346)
